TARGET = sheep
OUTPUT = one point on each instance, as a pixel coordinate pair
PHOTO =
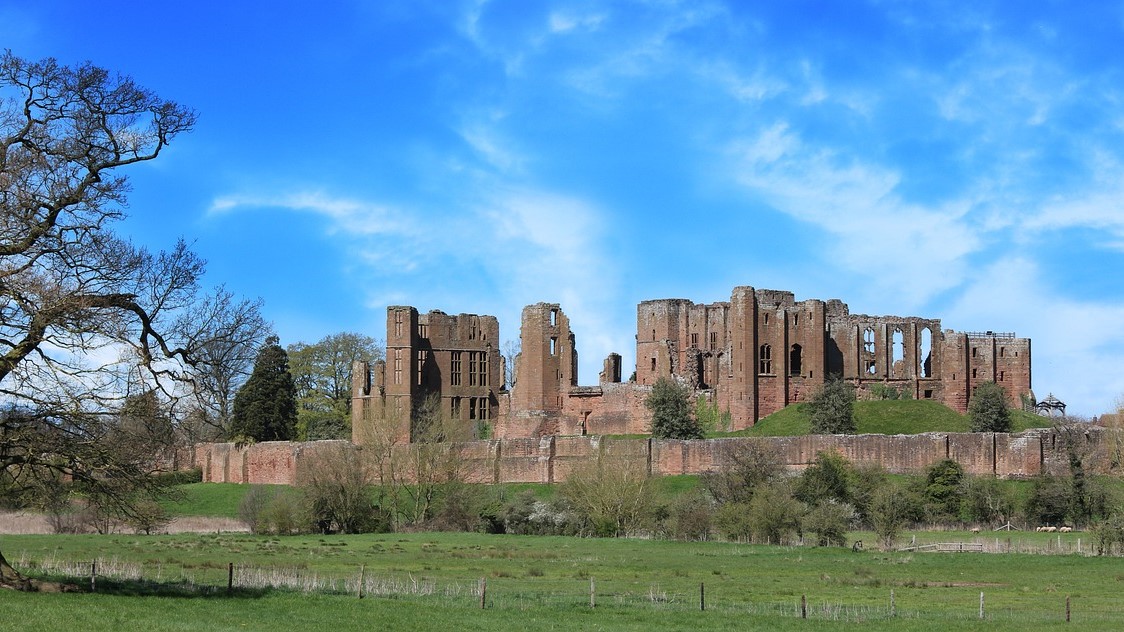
(1065, 529)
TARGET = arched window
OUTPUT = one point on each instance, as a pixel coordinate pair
(926, 353)
(794, 360)
(765, 360)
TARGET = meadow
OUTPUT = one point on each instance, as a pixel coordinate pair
(426, 581)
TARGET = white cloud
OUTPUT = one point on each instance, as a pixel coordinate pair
(1076, 345)
(875, 234)
(348, 215)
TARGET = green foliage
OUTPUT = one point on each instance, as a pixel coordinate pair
(613, 495)
(1108, 534)
(888, 392)
(828, 522)
(828, 478)
(1048, 501)
(265, 407)
(670, 403)
(690, 516)
(831, 409)
(891, 509)
(336, 495)
(747, 466)
(322, 376)
(732, 522)
(985, 500)
(987, 412)
(774, 515)
(942, 489)
(711, 419)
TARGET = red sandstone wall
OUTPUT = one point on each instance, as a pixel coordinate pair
(551, 459)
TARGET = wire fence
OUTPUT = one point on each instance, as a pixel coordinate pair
(535, 594)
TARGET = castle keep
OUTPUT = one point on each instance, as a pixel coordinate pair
(751, 356)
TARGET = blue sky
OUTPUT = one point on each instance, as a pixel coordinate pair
(910, 158)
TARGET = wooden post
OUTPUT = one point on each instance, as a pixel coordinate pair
(483, 591)
(803, 606)
(229, 577)
(93, 575)
(893, 606)
(592, 593)
(981, 605)
(702, 596)
(1067, 608)
(362, 568)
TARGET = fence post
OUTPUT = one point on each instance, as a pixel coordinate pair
(229, 577)
(592, 593)
(483, 591)
(981, 605)
(702, 596)
(893, 607)
(1067, 608)
(93, 575)
(803, 606)
(359, 591)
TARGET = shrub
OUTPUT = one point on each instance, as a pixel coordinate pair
(831, 408)
(891, 508)
(829, 521)
(670, 404)
(748, 464)
(732, 521)
(690, 516)
(825, 479)
(942, 490)
(987, 412)
(773, 514)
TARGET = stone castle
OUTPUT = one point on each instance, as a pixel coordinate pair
(749, 357)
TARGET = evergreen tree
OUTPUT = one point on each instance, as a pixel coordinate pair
(832, 408)
(670, 403)
(265, 408)
(988, 409)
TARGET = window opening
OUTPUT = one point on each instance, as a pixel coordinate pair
(868, 341)
(421, 366)
(455, 373)
(765, 360)
(898, 351)
(483, 366)
(423, 331)
(926, 352)
(713, 340)
(794, 360)
(397, 323)
(553, 346)
(397, 366)
(695, 340)
(553, 318)
(472, 369)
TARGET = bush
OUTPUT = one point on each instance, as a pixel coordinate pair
(829, 521)
(670, 403)
(181, 477)
(987, 412)
(825, 479)
(1048, 501)
(984, 500)
(891, 509)
(690, 516)
(612, 495)
(732, 521)
(748, 465)
(942, 490)
(774, 514)
(148, 516)
(831, 408)
(1109, 534)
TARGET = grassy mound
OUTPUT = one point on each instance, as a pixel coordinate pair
(886, 417)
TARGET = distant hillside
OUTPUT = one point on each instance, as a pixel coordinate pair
(886, 417)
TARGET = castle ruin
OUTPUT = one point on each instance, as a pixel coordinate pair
(751, 356)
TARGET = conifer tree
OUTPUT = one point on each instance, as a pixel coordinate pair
(265, 408)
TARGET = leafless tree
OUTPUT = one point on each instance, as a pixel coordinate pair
(82, 309)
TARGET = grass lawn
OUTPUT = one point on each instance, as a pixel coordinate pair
(884, 417)
(428, 581)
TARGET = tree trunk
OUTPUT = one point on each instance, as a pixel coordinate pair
(10, 578)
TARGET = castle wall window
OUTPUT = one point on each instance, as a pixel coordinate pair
(553, 346)
(553, 318)
(472, 369)
(483, 366)
(653, 365)
(713, 340)
(423, 331)
(421, 367)
(765, 360)
(456, 408)
(455, 369)
(868, 341)
(695, 340)
(397, 366)
(794, 360)
(397, 323)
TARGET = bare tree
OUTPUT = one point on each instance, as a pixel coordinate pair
(81, 308)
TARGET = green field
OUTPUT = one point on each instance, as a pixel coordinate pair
(429, 581)
(885, 417)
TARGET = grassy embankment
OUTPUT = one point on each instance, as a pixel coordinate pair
(429, 581)
(884, 417)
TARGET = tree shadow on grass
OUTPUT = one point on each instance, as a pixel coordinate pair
(148, 588)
